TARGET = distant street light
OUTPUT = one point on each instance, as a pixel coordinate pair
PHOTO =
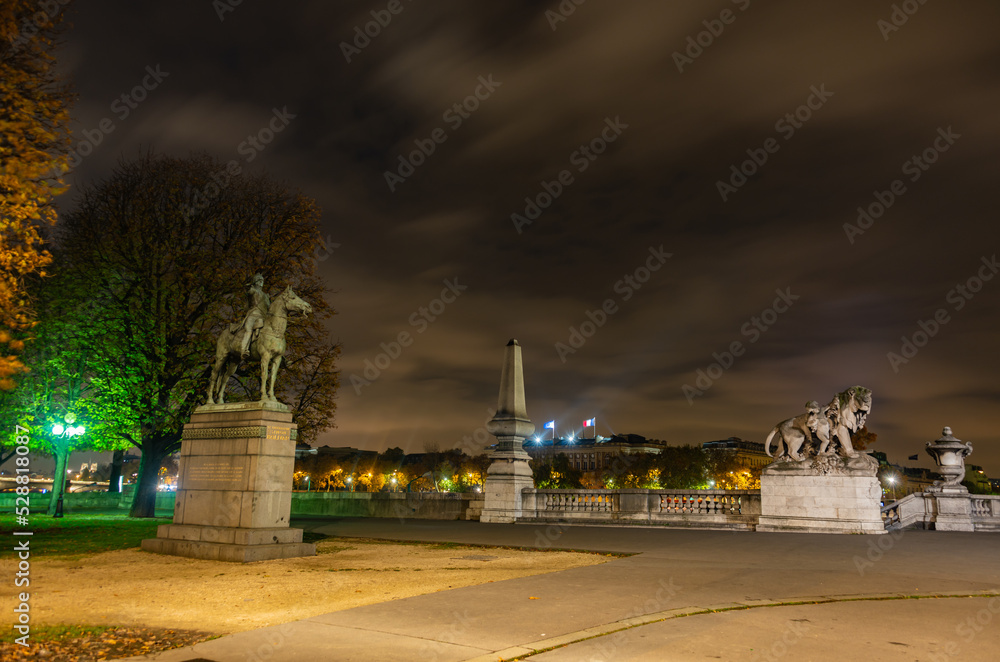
(67, 431)
(892, 481)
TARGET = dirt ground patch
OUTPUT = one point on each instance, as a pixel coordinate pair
(136, 588)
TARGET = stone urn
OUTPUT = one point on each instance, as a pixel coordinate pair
(950, 454)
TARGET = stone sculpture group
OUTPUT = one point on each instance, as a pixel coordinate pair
(845, 415)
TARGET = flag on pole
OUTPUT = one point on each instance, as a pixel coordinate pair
(590, 422)
(551, 425)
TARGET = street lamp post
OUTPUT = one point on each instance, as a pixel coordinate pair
(65, 432)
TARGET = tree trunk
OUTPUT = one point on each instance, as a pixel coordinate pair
(144, 500)
(59, 478)
(117, 460)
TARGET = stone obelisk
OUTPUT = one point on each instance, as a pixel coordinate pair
(509, 473)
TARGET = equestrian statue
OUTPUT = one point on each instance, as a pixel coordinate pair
(260, 335)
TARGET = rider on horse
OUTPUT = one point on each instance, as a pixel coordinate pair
(259, 303)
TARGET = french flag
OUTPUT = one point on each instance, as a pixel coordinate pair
(590, 422)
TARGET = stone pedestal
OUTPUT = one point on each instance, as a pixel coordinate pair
(825, 494)
(506, 477)
(234, 493)
(951, 509)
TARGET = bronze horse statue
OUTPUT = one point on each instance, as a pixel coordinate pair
(268, 347)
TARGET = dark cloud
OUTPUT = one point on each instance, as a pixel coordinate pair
(655, 185)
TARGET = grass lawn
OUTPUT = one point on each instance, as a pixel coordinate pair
(82, 534)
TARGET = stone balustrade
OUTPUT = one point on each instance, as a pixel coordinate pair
(922, 510)
(986, 512)
(714, 509)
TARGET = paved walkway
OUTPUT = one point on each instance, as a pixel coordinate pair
(684, 595)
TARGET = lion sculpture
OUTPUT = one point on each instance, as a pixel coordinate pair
(845, 415)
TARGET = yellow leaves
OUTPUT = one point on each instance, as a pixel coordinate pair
(34, 137)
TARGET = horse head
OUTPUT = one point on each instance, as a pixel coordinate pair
(293, 303)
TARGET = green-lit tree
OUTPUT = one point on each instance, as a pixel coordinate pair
(154, 261)
(56, 399)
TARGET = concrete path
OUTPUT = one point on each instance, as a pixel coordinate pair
(684, 595)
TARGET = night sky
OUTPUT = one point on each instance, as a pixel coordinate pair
(627, 123)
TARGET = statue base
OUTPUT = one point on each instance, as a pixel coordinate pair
(506, 477)
(952, 508)
(823, 494)
(234, 495)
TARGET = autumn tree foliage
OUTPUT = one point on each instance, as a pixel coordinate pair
(155, 261)
(863, 439)
(34, 142)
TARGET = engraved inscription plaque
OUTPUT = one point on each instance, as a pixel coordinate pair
(208, 473)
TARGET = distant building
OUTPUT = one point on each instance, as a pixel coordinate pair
(750, 453)
(881, 457)
(593, 454)
(914, 480)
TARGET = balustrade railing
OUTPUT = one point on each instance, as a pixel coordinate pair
(985, 507)
(727, 508)
(698, 503)
(578, 501)
(890, 515)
